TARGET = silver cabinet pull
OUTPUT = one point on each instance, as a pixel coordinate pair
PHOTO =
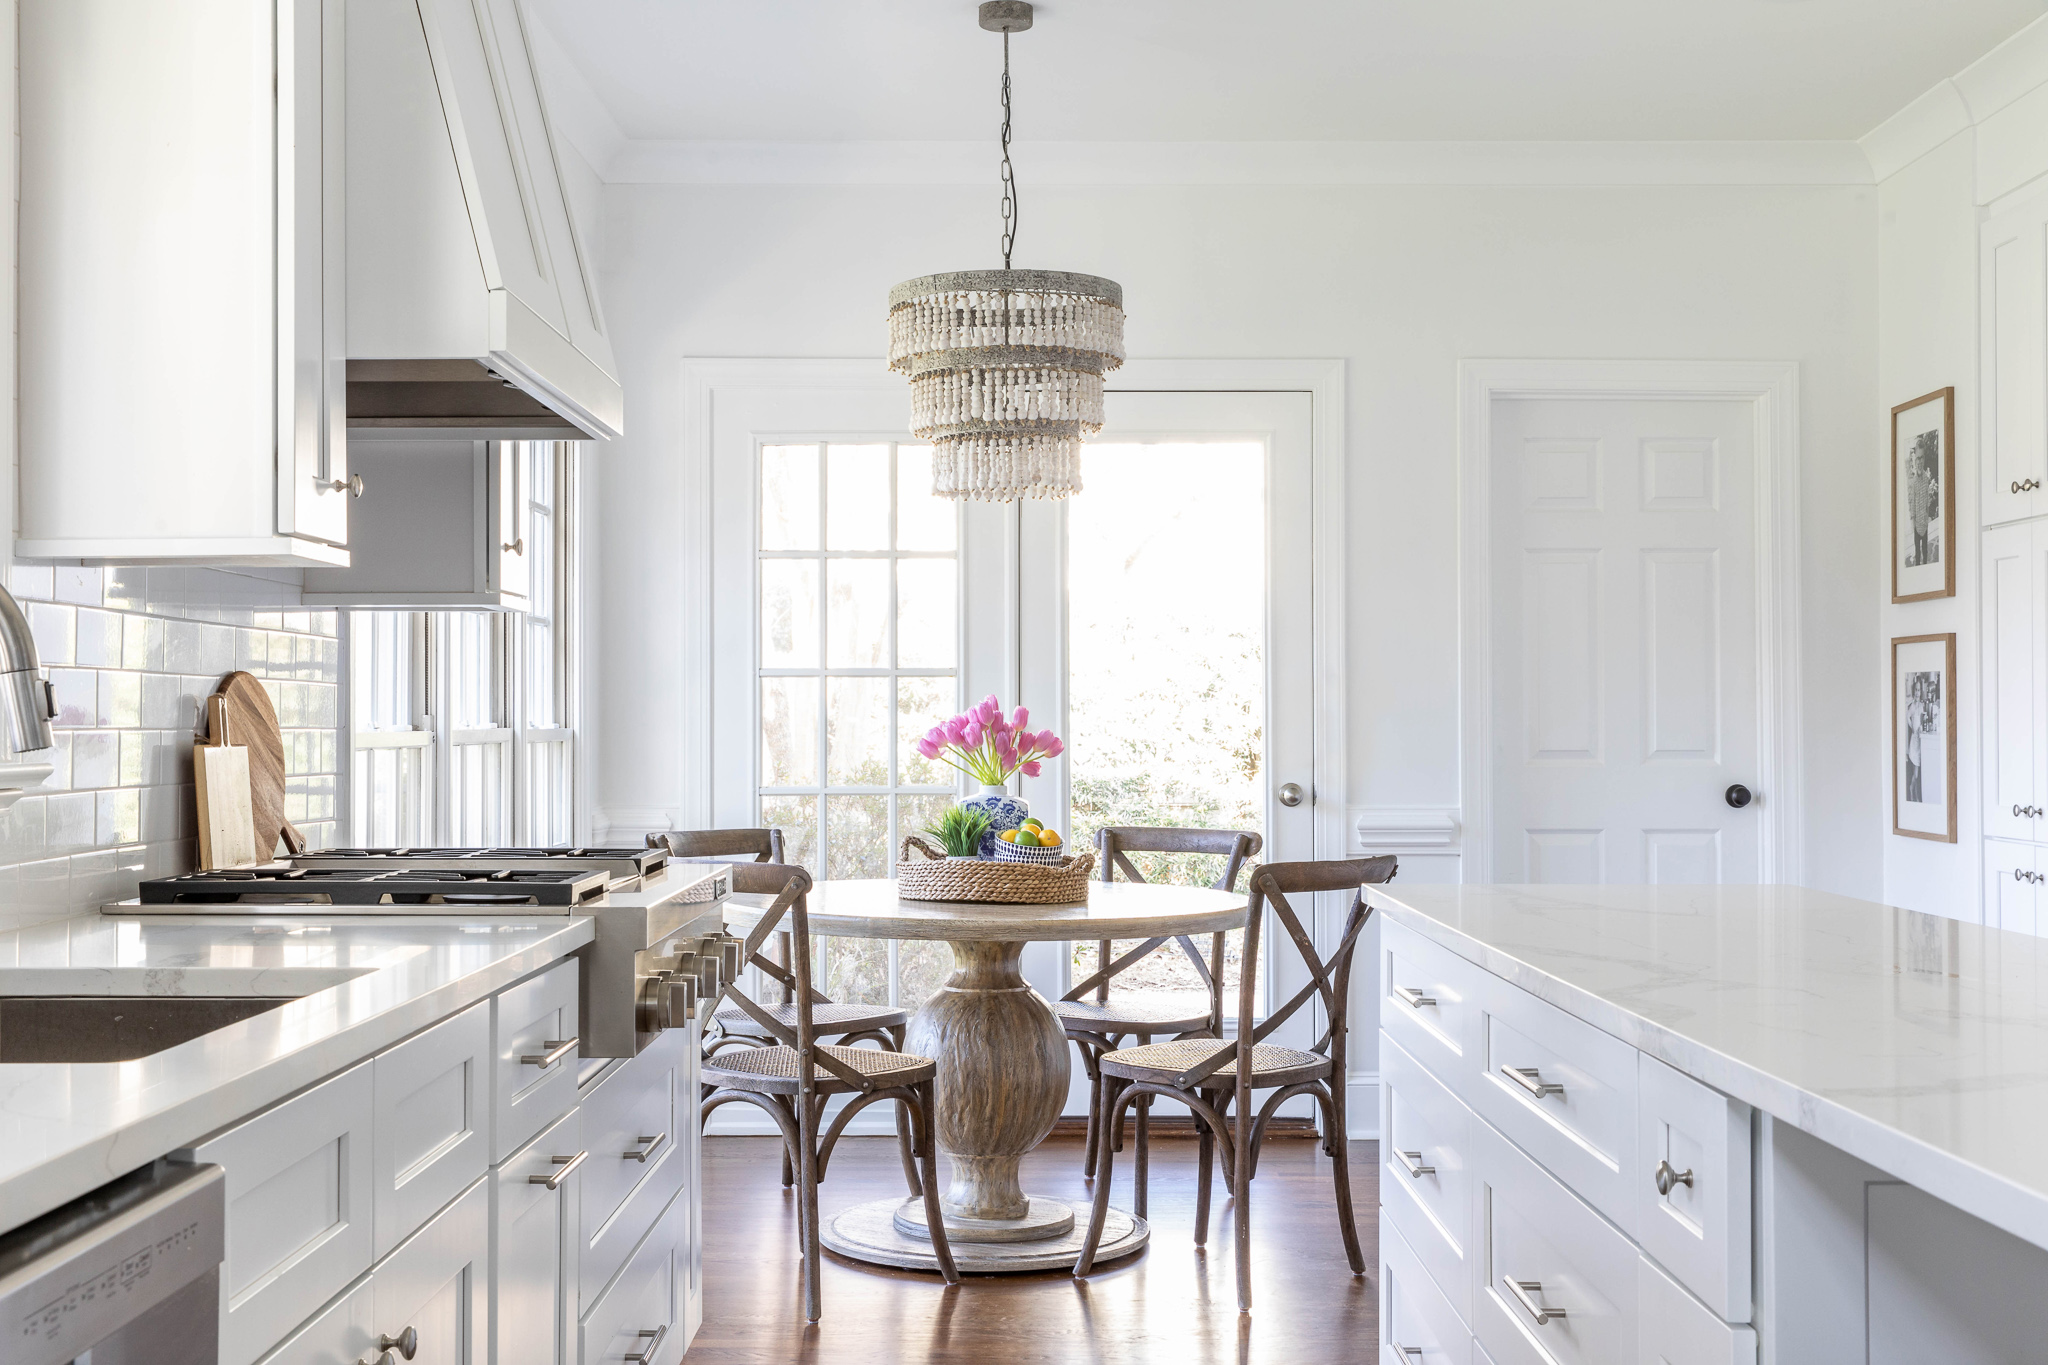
(652, 1340)
(1522, 1289)
(1415, 998)
(517, 547)
(1406, 1352)
(2025, 485)
(568, 1165)
(353, 486)
(1411, 1162)
(557, 1048)
(653, 1146)
(2029, 812)
(1669, 1179)
(406, 1343)
(1531, 1079)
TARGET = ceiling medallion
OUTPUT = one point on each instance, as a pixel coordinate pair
(1006, 365)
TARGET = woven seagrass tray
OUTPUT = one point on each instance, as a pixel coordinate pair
(935, 877)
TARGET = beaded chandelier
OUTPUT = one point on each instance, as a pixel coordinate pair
(1006, 365)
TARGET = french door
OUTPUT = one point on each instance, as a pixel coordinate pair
(1160, 622)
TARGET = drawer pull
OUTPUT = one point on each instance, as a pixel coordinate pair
(1669, 1179)
(1415, 998)
(554, 1179)
(557, 1048)
(1531, 1079)
(1406, 1352)
(1411, 1162)
(406, 1343)
(646, 1352)
(653, 1146)
(1522, 1289)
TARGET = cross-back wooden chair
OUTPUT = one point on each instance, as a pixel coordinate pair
(1207, 1074)
(732, 1027)
(794, 1075)
(1096, 1024)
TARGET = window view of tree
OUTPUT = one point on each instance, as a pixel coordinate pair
(1166, 562)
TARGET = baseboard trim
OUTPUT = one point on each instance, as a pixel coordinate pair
(1361, 1106)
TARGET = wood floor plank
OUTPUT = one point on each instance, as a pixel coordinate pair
(1173, 1304)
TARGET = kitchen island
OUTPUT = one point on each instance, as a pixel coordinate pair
(1713, 1123)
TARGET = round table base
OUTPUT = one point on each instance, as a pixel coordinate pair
(1043, 1218)
(869, 1232)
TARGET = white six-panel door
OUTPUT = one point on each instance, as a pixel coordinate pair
(1624, 670)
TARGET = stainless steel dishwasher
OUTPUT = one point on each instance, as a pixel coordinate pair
(127, 1274)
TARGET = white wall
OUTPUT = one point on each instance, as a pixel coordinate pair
(1402, 282)
(1927, 340)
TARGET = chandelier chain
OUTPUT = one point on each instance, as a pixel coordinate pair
(1009, 175)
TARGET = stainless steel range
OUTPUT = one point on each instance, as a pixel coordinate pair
(622, 865)
(399, 888)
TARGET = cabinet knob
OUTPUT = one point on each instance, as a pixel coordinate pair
(2030, 812)
(2025, 485)
(1669, 1178)
(517, 547)
(353, 486)
(406, 1343)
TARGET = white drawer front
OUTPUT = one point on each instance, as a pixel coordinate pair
(639, 1311)
(1430, 1003)
(533, 1235)
(529, 1023)
(1543, 1251)
(1694, 1142)
(1418, 1326)
(1678, 1329)
(1425, 1185)
(643, 1108)
(299, 1210)
(339, 1336)
(1564, 1092)
(437, 1284)
(431, 1118)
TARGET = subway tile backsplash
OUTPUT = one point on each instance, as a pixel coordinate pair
(133, 653)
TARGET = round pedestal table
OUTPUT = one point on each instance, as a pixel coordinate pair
(1003, 1062)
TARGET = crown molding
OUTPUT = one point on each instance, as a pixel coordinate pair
(1975, 97)
(651, 162)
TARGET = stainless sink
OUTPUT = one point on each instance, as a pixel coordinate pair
(115, 1028)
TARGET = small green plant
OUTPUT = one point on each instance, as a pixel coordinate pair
(960, 831)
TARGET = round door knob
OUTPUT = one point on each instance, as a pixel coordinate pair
(1291, 794)
(1738, 796)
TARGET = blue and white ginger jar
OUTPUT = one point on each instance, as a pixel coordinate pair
(1003, 810)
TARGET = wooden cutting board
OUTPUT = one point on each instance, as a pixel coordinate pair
(252, 725)
(220, 783)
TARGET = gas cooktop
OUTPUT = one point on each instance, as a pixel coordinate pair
(619, 864)
(406, 889)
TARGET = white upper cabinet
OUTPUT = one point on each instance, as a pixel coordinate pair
(462, 243)
(182, 290)
(2014, 318)
(2015, 683)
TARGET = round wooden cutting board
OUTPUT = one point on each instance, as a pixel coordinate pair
(252, 723)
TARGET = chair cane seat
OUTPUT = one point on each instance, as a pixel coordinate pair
(1160, 1062)
(829, 1020)
(1176, 1013)
(774, 1070)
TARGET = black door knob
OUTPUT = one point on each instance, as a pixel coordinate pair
(1738, 796)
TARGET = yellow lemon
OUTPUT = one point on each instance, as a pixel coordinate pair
(1008, 836)
(1048, 838)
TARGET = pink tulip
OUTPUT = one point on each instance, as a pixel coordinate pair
(989, 710)
(955, 728)
(1031, 769)
(971, 736)
(928, 746)
(1054, 748)
(1020, 718)
(937, 735)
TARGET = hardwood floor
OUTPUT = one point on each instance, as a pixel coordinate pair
(1172, 1303)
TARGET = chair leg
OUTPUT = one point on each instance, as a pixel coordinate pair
(1105, 1163)
(1340, 1168)
(934, 1216)
(1204, 1166)
(904, 1148)
(807, 1173)
(1088, 1056)
(1243, 1221)
(897, 1032)
(1141, 1176)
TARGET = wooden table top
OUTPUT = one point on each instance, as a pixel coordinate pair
(870, 908)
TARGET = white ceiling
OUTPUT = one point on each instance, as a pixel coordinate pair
(1273, 70)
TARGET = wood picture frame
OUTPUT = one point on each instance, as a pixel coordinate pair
(1924, 497)
(1924, 737)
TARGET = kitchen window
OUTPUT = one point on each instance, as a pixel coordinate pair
(857, 655)
(460, 721)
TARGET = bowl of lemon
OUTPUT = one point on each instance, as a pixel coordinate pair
(1030, 842)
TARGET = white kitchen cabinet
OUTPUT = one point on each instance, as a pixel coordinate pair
(2012, 886)
(1693, 1186)
(340, 1335)
(183, 337)
(534, 1055)
(463, 244)
(639, 1316)
(432, 1119)
(437, 1285)
(533, 1248)
(2014, 322)
(440, 524)
(2015, 681)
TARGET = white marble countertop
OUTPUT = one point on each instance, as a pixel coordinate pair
(368, 982)
(1916, 1043)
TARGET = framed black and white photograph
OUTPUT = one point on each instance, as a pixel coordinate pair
(1924, 737)
(1923, 497)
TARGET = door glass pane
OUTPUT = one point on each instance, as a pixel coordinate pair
(857, 732)
(857, 493)
(789, 497)
(789, 732)
(925, 633)
(1165, 632)
(789, 613)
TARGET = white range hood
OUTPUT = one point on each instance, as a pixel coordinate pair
(462, 246)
